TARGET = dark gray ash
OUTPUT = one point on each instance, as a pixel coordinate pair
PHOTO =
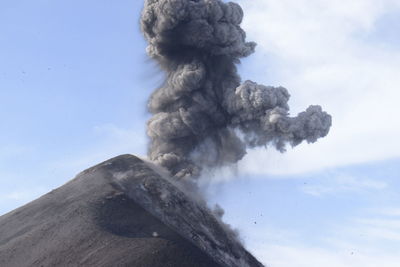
(203, 115)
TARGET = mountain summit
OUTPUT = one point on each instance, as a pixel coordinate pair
(121, 212)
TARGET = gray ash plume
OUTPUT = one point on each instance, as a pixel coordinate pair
(203, 116)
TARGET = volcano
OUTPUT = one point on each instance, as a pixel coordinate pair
(122, 212)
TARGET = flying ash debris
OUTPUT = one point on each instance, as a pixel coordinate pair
(203, 116)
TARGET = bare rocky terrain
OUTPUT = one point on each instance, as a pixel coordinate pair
(119, 213)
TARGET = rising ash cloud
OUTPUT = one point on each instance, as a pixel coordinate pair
(204, 116)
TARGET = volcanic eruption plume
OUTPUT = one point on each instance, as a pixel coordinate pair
(203, 116)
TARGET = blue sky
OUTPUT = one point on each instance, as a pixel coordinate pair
(74, 79)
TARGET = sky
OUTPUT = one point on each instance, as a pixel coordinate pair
(74, 79)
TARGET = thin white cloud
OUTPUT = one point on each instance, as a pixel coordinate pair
(343, 183)
(116, 141)
(359, 242)
(319, 50)
(19, 197)
(389, 211)
(379, 228)
(12, 151)
(303, 256)
(22, 195)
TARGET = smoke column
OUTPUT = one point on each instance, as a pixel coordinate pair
(203, 116)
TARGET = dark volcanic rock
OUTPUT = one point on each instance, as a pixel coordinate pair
(118, 213)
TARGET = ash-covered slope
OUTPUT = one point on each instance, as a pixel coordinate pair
(118, 213)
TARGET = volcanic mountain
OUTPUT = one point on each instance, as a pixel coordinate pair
(122, 212)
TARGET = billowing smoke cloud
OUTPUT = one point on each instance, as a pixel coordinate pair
(203, 116)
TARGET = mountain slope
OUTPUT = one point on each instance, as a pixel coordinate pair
(118, 213)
